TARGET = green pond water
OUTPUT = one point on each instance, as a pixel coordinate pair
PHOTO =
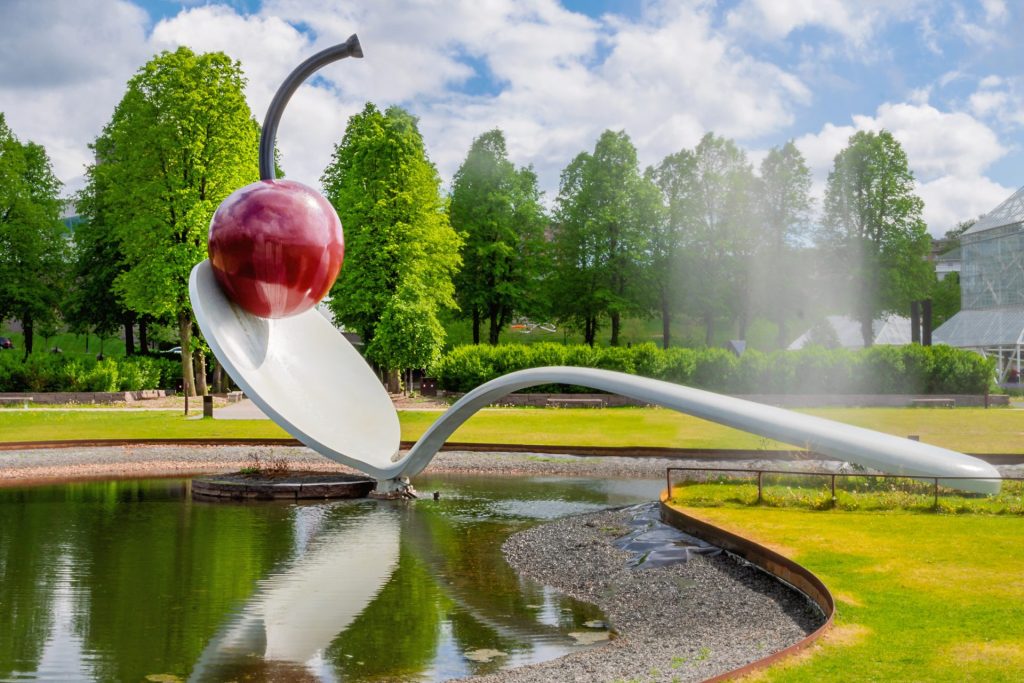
(133, 581)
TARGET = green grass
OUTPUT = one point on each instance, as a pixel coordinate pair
(72, 345)
(964, 429)
(852, 493)
(919, 597)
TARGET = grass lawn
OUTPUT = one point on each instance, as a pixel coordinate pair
(920, 597)
(967, 429)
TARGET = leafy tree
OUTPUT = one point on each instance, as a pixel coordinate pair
(497, 210)
(945, 299)
(401, 251)
(784, 206)
(181, 139)
(606, 216)
(710, 193)
(873, 227)
(676, 178)
(33, 247)
(92, 303)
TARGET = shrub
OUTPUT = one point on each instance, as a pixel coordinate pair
(812, 370)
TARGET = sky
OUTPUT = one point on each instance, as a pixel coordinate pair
(944, 76)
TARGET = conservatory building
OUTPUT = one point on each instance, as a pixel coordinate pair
(991, 317)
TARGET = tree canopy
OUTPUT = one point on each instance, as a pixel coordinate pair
(873, 228)
(606, 216)
(784, 207)
(181, 139)
(496, 209)
(33, 244)
(401, 252)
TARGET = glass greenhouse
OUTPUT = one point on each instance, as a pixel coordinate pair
(991, 319)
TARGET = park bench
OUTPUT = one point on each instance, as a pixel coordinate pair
(576, 403)
(933, 403)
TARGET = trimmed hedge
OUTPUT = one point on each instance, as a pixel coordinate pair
(910, 369)
(53, 372)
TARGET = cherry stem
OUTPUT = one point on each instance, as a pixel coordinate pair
(350, 48)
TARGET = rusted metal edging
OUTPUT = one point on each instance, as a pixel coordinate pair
(779, 566)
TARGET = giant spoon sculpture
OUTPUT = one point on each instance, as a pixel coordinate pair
(275, 249)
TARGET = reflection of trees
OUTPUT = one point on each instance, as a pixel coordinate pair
(31, 540)
(167, 575)
(397, 634)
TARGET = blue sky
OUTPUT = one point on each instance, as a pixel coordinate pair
(942, 75)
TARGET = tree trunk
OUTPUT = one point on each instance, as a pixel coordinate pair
(218, 378)
(616, 320)
(200, 367)
(495, 330)
(866, 332)
(743, 323)
(28, 328)
(476, 325)
(185, 336)
(394, 382)
(129, 334)
(709, 327)
(143, 336)
(590, 331)
(666, 323)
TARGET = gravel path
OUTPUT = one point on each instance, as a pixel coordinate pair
(37, 465)
(683, 622)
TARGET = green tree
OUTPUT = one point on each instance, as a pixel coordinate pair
(784, 206)
(401, 251)
(873, 227)
(606, 216)
(33, 244)
(98, 259)
(497, 210)
(181, 139)
(710, 194)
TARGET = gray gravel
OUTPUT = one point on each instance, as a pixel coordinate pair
(140, 461)
(683, 622)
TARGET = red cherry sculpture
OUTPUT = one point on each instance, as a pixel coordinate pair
(276, 247)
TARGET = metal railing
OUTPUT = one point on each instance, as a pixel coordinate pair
(935, 481)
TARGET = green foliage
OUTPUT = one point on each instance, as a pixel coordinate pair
(53, 372)
(709, 193)
(497, 210)
(910, 369)
(945, 299)
(873, 227)
(180, 141)
(784, 207)
(400, 251)
(33, 248)
(605, 222)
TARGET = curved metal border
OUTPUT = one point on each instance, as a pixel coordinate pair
(779, 566)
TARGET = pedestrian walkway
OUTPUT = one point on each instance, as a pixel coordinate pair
(242, 410)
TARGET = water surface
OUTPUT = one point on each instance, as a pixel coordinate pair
(133, 580)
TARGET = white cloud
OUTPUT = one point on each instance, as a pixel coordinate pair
(947, 151)
(999, 99)
(855, 20)
(950, 199)
(62, 73)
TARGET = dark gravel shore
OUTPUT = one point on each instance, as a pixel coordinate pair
(683, 622)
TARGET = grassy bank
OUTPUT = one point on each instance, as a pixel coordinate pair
(964, 429)
(920, 597)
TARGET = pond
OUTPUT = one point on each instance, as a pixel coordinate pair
(133, 580)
